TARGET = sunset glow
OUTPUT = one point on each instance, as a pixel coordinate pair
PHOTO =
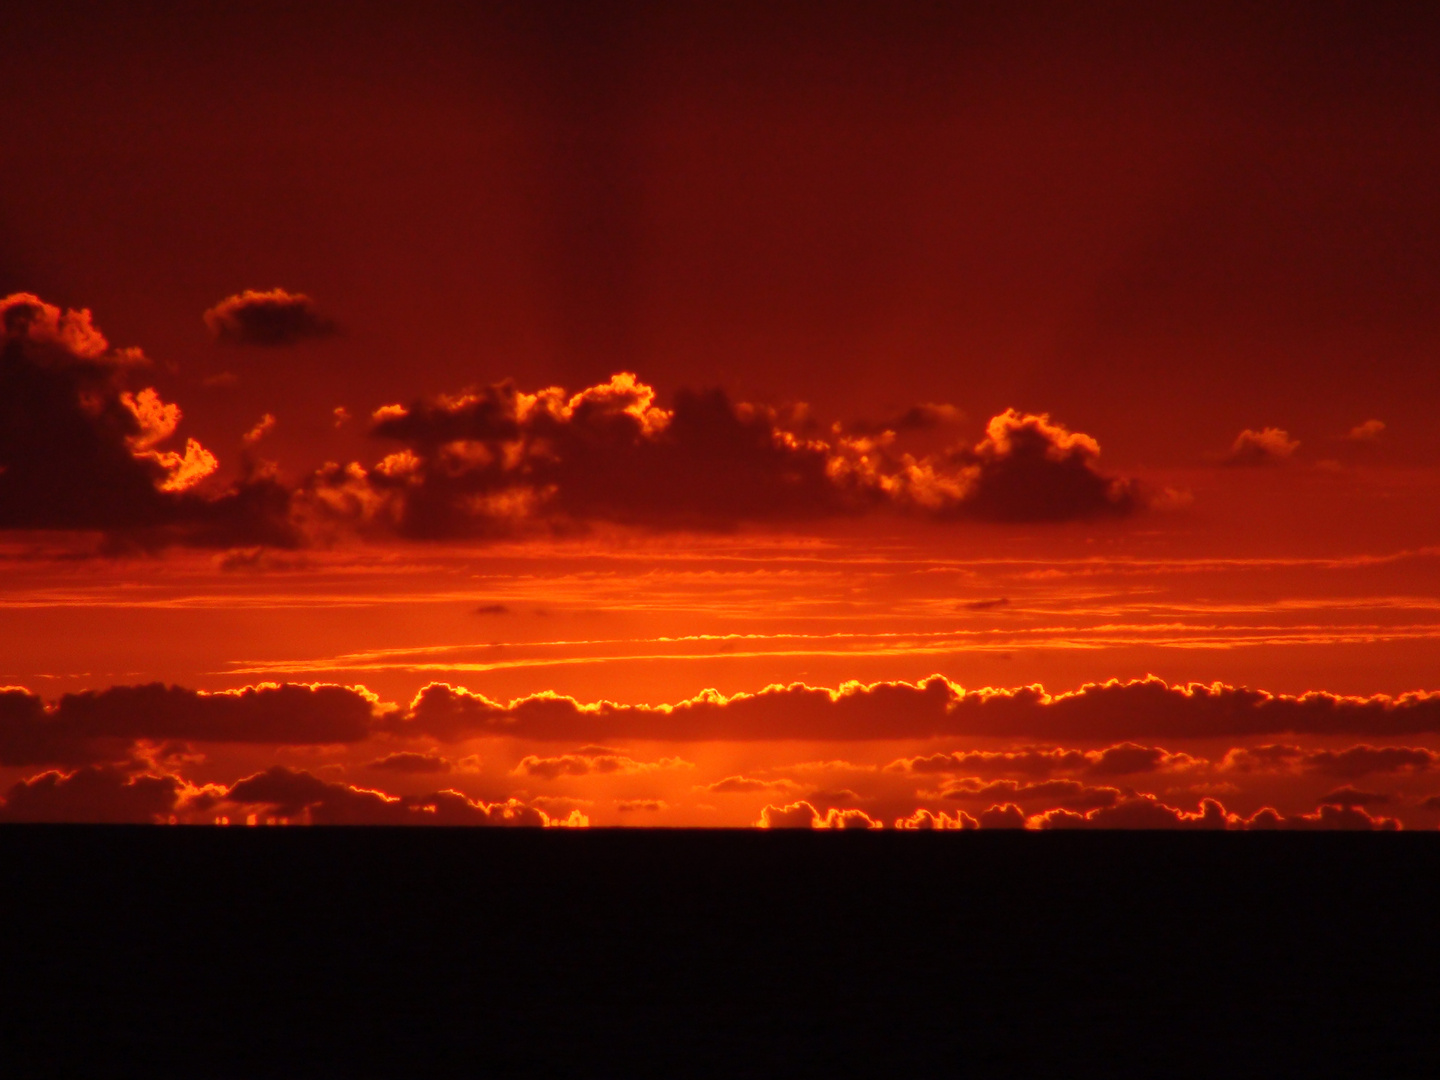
(955, 419)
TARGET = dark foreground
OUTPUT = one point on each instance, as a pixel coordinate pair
(409, 953)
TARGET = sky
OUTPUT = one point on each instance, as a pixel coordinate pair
(844, 415)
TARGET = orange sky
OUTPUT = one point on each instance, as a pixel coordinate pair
(728, 416)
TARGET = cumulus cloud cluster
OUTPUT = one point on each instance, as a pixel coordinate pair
(498, 460)
(105, 725)
(81, 448)
(112, 754)
(119, 795)
(1138, 709)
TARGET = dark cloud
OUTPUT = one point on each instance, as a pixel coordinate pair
(1140, 812)
(630, 806)
(1125, 759)
(1348, 764)
(926, 820)
(1269, 446)
(1006, 816)
(985, 605)
(1065, 794)
(93, 795)
(491, 609)
(803, 815)
(1029, 469)
(926, 416)
(498, 461)
(103, 725)
(408, 762)
(293, 793)
(934, 707)
(1349, 796)
(268, 319)
(79, 449)
(581, 764)
(1328, 818)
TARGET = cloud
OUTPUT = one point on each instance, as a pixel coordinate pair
(926, 416)
(498, 461)
(630, 806)
(1126, 759)
(1006, 816)
(1065, 794)
(1030, 469)
(79, 449)
(1369, 431)
(263, 427)
(985, 605)
(103, 725)
(491, 609)
(1269, 446)
(268, 319)
(603, 764)
(1349, 796)
(409, 762)
(734, 785)
(931, 708)
(923, 819)
(1328, 818)
(293, 793)
(94, 795)
(1348, 764)
(1147, 812)
(1138, 812)
(802, 815)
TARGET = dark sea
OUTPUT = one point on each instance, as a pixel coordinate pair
(358, 952)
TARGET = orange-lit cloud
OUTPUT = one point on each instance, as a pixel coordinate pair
(267, 318)
(803, 815)
(78, 450)
(1144, 708)
(500, 461)
(1269, 446)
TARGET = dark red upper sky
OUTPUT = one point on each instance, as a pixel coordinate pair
(1161, 223)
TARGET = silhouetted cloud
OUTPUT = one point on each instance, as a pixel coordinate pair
(1006, 816)
(93, 795)
(803, 815)
(1125, 759)
(1064, 794)
(103, 725)
(269, 318)
(933, 707)
(498, 461)
(1348, 764)
(1269, 446)
(1350, 796)
(80, 450)
(297, 793)
(923, 819)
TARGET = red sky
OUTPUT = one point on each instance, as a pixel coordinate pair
(627, 366)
